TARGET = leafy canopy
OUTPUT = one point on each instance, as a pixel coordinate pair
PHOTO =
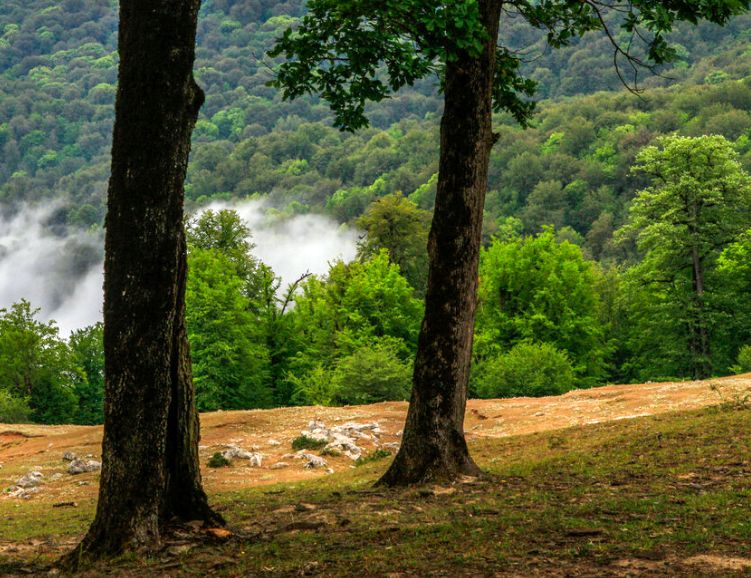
(354, 51)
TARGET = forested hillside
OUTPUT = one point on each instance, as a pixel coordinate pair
(57, 87)
(586, 276)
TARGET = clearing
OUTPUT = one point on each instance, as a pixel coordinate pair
(649, 479)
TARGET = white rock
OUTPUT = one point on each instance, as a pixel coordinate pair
(69, 457)
(274, 443)
(279, 465)
(235, 452)
(30, 480)
(83, 466)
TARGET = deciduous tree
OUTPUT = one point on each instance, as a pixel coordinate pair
(150, 470)
(354, 51)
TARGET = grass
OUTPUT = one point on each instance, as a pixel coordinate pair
(613, 499)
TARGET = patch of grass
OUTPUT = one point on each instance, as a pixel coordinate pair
(304, 442)
(218, 461)
(373, 456)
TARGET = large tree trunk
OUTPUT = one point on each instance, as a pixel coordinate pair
(433, 445)
(150, 472)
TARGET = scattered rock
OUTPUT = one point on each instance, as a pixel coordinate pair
(22, 493)
(236, 452)
(83, 466)
(279, 465)
(341, 438)
(274, 443)
(69, 457)
(30, 480)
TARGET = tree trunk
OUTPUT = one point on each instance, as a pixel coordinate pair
(150, 471)
(700, 334)
(433, 445)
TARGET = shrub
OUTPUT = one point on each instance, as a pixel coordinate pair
(304, 442)
(528, 369)
(373, 456)
(13, 409)
(371, 374)
(218, 461)
(744, 360)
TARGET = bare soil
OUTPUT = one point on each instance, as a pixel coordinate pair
(26, 447)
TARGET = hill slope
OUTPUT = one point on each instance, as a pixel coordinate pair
(660, 495)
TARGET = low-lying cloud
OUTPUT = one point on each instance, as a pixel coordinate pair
(60, 271)
(296, 245)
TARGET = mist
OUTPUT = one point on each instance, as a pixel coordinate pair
(296, 245)
(60, 270)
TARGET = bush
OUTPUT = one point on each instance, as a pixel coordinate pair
(13, 409)
(374, 456)
(307, 443)
(529, 369)
(218, 461)
(744, 360)
(371, 374)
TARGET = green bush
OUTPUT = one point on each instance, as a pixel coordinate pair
(527, 370)
(304, 442)
(218, 461)
(13, 409)
(744, 360)
(373, 456)
(371, 374)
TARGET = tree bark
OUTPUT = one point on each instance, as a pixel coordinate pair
(433, 444)
(150, 470)
(699, 333)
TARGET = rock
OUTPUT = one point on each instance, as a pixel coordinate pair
(83, 466)
(303, 507)
(344, 445)
(30, 480)
(341, 438)
(392, 446)
(22, 493)
(69, 457)
(235, 452)
(311, 461)
(279, 465)
(55, 477)
(274, 443)
(84, 483)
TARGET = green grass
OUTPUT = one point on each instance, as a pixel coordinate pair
(621, 498)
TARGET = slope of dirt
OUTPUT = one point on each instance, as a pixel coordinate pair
(27, 447)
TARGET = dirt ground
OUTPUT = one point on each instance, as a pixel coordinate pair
(27, 447)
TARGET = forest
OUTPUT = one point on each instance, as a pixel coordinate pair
(586, 276)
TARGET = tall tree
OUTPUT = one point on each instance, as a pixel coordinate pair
(354, 51)
(697, 206)
(150, 471)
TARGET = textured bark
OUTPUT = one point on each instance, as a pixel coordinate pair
(150, 472)
(433, 445)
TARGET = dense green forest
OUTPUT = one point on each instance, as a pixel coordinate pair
(594, 218)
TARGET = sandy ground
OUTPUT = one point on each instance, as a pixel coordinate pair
(27, 447)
